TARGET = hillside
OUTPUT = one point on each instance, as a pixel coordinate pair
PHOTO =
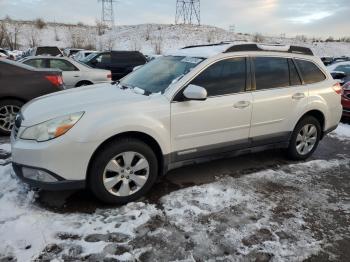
(147, 38)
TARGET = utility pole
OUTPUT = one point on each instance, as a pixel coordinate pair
(188, 12)
(107, 15)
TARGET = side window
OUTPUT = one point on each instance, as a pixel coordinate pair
(103, 59)
(37, 63)
(224, 77)
(294, 76)
(309, 72)
(62, 64)
(271, 72)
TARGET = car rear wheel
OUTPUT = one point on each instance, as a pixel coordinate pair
(123, 171)
(305, 138)
(9, 108)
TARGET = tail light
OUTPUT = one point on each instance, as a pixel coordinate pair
(337, 88)
(109, 76)
(56, 80)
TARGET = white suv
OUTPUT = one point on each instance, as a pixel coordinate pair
(195, 104)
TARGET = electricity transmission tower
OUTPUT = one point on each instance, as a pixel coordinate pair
(107, 15)
(188, 12)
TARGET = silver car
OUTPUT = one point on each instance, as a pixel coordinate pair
(74, 73)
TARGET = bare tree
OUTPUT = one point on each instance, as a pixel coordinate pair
(211, 36)
(12, 36)
(148, 32)
(3, 33)
(33, 37)
(258, 38)
(135, 44)
(40, 23)
(101, 27)
(301, 38)
(157, 44)
(110, 42)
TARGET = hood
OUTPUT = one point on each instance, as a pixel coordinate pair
(76, 100)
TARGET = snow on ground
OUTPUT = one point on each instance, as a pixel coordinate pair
(342, 132)
(284, 214)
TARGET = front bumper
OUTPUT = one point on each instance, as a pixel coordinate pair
(59, 184)
(63, 159)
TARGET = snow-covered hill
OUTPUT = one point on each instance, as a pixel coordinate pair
(148, 38)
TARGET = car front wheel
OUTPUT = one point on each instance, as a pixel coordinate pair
(123, 171)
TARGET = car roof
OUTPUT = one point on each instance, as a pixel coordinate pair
(207, 51)
(333, 66)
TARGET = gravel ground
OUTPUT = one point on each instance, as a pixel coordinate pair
(257, 207)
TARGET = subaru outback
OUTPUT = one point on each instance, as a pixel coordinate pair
(194, 104)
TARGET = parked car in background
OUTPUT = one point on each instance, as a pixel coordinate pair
(327, 60)
(75, 74)
(340, 67)
(3, 56)
(120, 63)
(71, 51)
(44, 50)
(195, 104)
(81, 55)
(19, 84)
(346, 99)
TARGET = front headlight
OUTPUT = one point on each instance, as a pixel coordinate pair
(52, 128)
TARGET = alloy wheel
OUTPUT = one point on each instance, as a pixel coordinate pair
(306, 139)
(126, 174)
(7, 117)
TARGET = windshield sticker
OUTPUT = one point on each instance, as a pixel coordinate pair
(191, 60)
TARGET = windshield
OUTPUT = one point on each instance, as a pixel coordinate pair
(157, 75)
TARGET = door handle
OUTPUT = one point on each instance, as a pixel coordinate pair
(76, 76)
(298, 96)
(241, 104)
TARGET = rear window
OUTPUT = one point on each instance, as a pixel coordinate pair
(271, 72)
(310, 72)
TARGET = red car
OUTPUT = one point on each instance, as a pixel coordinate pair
(345, 99)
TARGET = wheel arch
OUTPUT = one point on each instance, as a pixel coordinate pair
(319, 115)
(81, 82)
(146, 138)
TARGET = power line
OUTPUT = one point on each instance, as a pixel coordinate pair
(188, 12)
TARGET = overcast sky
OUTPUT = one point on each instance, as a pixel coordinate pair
(310, 17)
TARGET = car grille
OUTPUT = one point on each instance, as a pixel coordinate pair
(17, 125)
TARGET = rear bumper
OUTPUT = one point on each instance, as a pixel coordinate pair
(59, 184)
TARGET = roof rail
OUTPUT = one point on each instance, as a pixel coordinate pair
(216, 44)
(269, 47)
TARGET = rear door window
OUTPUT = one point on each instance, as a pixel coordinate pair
(309, 71)
(62, 65)
(271, 72)
(128, 59)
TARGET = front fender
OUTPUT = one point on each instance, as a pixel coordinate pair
(105, 128)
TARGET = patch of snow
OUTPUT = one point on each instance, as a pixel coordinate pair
(342, 132)
(240, 214)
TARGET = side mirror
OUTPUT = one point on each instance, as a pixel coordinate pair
(193, 92)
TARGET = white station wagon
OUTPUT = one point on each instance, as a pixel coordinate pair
(195, 104)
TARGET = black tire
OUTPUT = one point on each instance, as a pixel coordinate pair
(4, 128)
(292, 151)
(109, 152)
